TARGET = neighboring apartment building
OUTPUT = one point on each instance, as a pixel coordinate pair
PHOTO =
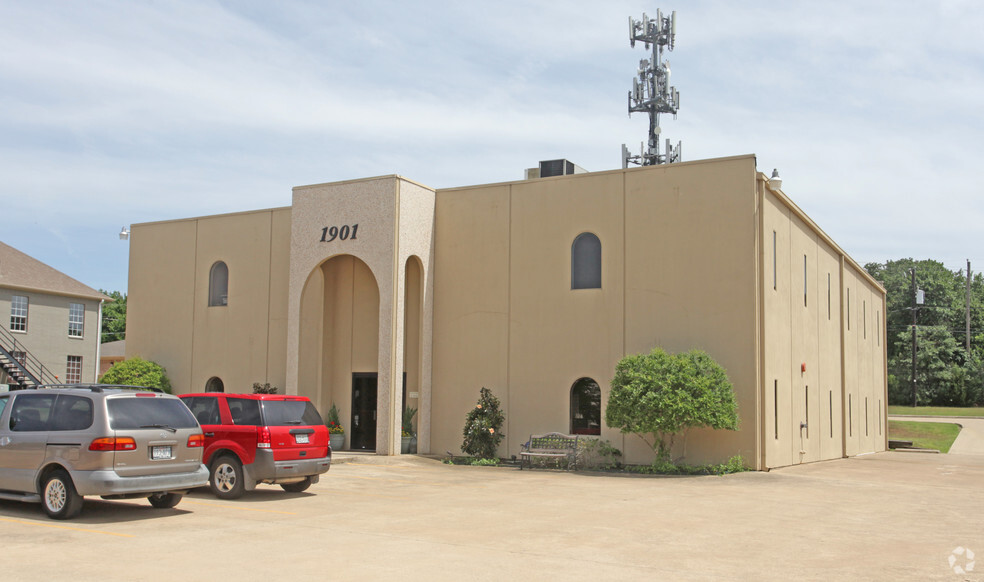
(49, 323)
(381, 293)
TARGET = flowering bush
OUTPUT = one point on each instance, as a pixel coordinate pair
(334, 426)
(482, 424)
(407, 428)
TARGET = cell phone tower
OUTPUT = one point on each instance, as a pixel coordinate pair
(651, 91)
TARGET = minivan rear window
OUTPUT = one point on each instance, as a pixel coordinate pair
(290, 413)
(136, 412)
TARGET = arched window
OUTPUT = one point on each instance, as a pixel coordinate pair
(218, 284)
(586, 262)
(214, 384)
(585, 407)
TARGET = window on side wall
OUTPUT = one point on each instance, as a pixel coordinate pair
(73, 370)
(76, 319)
(18, 313)
(218, 285)
(586, 262)
(586, 407)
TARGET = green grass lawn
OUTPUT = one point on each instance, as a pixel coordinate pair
(924, 435)
(935, 411)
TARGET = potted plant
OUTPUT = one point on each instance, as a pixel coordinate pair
(409, 436)
(336, 433)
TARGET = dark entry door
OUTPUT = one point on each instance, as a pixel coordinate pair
(364, 411)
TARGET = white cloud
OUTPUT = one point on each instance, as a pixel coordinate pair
(117, 112)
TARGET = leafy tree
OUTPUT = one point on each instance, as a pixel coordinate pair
(946, 373)
(482, 427)
(657, 396)
(113, 317)
(137, 372)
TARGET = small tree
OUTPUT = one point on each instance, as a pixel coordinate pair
(137, 372)
(482, 427)
(657, 396)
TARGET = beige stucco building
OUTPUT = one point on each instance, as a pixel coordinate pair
(50, 327)
(381, 293)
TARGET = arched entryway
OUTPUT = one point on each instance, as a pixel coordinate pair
(338, 351)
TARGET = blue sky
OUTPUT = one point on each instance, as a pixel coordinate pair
(120, 112)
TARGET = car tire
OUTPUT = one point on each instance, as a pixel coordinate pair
(59, 499)
(165, 500)
(298, 487)
(226, 478)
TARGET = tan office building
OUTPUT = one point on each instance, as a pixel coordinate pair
(382, 293)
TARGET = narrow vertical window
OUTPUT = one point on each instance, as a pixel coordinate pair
(18, 313)
(879, 418)
(775, 407)
(218, 285)
(864, 318)
(76, 319)
(586, 407)
(586, 262)
(878, 324)
(830, 400)
(775, 276)
(805, 281)
(828, 296)
(73, 370)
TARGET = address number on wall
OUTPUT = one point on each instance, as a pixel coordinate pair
(345, 232)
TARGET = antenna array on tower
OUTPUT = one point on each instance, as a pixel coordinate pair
(651, 91)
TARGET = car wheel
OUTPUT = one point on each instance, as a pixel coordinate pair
(58, 496)
(297, 487)
(164, 500)
(226, 479)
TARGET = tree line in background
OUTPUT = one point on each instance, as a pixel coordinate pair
(947, 373)
(113, 317)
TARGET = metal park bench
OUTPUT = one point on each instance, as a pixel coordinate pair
(553, 445)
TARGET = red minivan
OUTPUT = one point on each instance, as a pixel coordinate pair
(260, 438)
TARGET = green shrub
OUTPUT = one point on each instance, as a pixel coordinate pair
(598, 455)
(137, 372)
(485, 462)
(657, 396)
(482, 432)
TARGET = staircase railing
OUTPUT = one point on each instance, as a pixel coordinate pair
(32, 372)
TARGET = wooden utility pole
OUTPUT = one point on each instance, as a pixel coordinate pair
(968, 307)
(914, 293)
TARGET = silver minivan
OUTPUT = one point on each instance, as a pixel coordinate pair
(61, 443)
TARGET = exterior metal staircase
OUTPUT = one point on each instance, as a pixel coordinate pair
(22, 368)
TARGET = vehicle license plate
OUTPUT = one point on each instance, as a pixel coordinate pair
(302, 439)
(162, 452)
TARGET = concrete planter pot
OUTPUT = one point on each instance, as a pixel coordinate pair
(405, 445)
(337, 441)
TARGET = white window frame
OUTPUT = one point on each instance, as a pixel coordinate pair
(19, 310)
(76, 320)
(73, 369)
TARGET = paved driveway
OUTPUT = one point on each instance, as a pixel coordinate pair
(970, 441)
(887, 516)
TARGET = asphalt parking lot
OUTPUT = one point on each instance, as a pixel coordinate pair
(888, 516)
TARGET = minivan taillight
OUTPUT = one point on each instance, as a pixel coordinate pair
(113, 444)
(196, 440)
(263, 439)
